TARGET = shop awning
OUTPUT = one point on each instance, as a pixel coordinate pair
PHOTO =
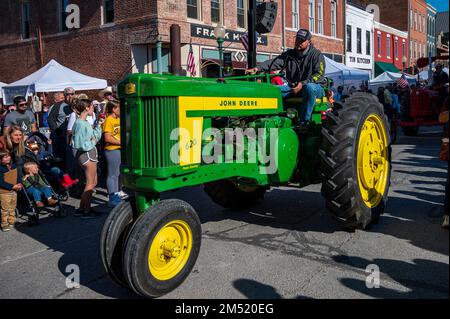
(381, 67)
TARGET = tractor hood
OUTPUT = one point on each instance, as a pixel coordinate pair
(147, 85)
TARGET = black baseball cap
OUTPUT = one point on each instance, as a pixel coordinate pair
(303, 35)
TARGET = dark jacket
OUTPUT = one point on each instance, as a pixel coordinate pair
(52, 119)
(4, 185)
(304, 67)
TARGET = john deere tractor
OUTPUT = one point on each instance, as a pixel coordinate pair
(172, 131)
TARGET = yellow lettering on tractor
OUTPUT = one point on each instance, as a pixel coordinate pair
(191, 128)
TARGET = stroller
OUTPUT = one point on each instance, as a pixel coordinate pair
(47, 162)
(32, 211)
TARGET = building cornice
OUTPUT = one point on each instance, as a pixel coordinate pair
(386, 28)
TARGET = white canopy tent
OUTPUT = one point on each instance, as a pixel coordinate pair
(1, 92)
(53, 77)
(424, 74)
(345, 75)
(389, 78)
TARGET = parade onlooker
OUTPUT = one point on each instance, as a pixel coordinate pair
(85, 138)
(57, 121)
(20, 154)
(440, 79)
(45, 158)
(21, 117)
(395, 104)
(106, 95)
(73, 167)
(111, 133)
(339, 93)
(9, 186)
(36, 186)
(3, 113)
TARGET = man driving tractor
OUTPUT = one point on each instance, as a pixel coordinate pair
(305, 68)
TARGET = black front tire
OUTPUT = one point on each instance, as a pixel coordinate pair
(141, 238)
(114, 233)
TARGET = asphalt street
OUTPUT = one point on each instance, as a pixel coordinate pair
(288, 246)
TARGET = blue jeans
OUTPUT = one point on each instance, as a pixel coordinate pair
(37, 192)
(310, 92)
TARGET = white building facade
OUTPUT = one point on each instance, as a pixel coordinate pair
(359, 38)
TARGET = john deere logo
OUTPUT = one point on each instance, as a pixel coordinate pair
(130, 88)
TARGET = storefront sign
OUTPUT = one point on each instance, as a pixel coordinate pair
(207, 32)
(359, 60)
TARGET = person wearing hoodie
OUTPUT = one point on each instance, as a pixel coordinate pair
(305, 70)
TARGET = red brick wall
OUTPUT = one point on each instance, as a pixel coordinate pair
(324, 43)
(105, 51)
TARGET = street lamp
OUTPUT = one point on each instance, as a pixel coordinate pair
(219, 32)
(404, 60)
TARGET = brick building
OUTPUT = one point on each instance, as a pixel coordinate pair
(390, 48)
(324, 18)
(393, 13)
(120, 36)
(431, 30)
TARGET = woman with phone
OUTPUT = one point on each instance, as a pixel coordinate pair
(85, 139)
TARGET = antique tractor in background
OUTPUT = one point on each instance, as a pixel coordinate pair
(151, 245)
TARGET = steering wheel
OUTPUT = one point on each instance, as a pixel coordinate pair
(284, 68)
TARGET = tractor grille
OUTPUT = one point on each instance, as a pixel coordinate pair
(159, 118)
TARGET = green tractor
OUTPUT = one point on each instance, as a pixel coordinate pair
(171, 131)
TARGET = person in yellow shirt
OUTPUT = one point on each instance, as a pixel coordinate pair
(111, 133)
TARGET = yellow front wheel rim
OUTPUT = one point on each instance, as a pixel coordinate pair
(373, 161)
(170, 250)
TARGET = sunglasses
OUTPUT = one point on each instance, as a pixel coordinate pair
(22, 104)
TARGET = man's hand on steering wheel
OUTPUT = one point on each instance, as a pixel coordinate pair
(251, 71)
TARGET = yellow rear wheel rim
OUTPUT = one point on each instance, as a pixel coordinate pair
(170, 250)
(373, 161)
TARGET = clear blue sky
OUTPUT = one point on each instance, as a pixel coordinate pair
(440, 5)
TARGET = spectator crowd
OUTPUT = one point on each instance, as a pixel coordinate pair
(41, 153)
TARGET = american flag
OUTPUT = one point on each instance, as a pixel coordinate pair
(244, 40)
(402, 81)
(191, 62)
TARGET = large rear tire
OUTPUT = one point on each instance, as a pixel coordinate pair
(162, 248)
(355, 161)
(232, 195)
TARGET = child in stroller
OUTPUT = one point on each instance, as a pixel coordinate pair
(43, 151)
(36, 186)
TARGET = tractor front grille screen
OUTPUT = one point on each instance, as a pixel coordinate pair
(160, 117)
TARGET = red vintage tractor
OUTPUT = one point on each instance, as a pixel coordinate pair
(423, 106)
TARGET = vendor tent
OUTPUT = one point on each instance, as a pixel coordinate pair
(389, 78)
(344, 75)
(1, 85)
(53, 77)
(424, 74)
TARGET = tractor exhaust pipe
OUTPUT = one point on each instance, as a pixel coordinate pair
(175, 49)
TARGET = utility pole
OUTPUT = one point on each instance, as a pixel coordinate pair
(251, 59)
